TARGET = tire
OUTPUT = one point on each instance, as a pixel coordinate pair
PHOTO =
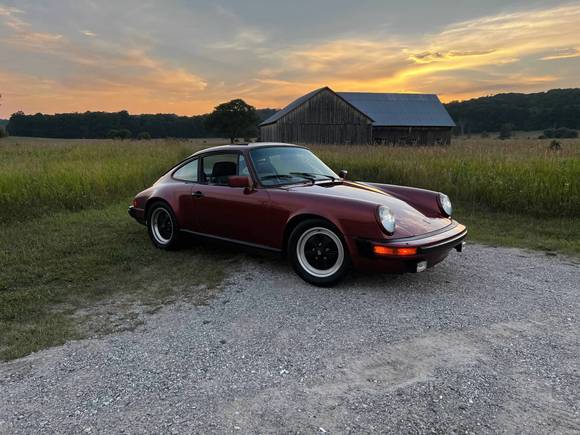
(318, 252)
(162, 226)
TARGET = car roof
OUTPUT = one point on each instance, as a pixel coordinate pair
(242, 147)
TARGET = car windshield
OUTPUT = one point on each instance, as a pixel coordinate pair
(286, 165)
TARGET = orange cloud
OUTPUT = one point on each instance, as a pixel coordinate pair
(564, 53)
(436, 56)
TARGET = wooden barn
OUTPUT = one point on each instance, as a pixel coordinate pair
(327, 117)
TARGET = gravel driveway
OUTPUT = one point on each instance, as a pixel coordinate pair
(487, 341)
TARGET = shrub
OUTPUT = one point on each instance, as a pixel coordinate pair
(560, 133)
(144, 135)
(3, 132)
(484, 134)
(123, 133)
(506, 131)
(555, 146)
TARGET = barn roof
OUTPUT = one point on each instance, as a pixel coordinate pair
(421, 110)
(293, 105)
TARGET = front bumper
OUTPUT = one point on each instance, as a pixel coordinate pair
(409, 254)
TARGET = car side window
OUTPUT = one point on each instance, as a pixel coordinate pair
(242, 167)
(187, 172)
(216, 168)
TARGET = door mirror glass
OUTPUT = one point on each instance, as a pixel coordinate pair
(343, 173)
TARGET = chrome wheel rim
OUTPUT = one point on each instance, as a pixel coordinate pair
(320, 252)
(161, 226)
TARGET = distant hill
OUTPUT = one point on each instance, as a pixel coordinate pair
(542, 110)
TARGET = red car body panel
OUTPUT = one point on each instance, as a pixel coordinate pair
(263, 216)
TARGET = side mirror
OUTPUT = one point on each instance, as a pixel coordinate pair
(239, 181)
(343, 173)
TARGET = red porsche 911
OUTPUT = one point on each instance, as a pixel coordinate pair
(282, 198)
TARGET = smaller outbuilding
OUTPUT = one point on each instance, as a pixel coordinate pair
(327, 117)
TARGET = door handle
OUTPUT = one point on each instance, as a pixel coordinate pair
(197, 194)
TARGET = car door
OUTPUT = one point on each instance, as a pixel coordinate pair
(234, 213)
(184, 180)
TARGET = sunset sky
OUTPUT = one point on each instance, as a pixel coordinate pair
(186, 56)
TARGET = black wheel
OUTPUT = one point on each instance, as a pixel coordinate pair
(318, 252)
(162, 226)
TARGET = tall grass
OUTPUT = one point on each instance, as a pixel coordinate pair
(518, 176)
(40, 176)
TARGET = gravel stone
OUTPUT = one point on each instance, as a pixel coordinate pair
(485, 342)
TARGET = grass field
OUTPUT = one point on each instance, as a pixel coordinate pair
(73, 264)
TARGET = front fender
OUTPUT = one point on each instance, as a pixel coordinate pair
(426, 201)
(351, 217)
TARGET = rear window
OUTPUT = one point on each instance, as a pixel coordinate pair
(187, 172)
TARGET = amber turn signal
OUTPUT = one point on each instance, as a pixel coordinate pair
(386, 250)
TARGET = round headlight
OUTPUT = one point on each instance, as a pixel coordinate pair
(445, 204)
(387, 219)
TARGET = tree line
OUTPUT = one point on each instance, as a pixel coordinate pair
(556, 112)
(99, 125)
(554, 109)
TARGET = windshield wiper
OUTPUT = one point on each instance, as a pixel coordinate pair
(286, 177)
(271, 177)
(311, 175)
(306, 175)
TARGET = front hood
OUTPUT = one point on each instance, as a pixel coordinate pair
(409, 220)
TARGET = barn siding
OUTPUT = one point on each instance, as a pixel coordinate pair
(411, 135)
(323, 119)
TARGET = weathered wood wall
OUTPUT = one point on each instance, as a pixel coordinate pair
(411, 135)
(323, 119)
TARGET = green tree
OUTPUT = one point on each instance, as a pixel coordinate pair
(122, 133)
(125, 133)
(233, 119)
(144, 135)
(3, 132)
